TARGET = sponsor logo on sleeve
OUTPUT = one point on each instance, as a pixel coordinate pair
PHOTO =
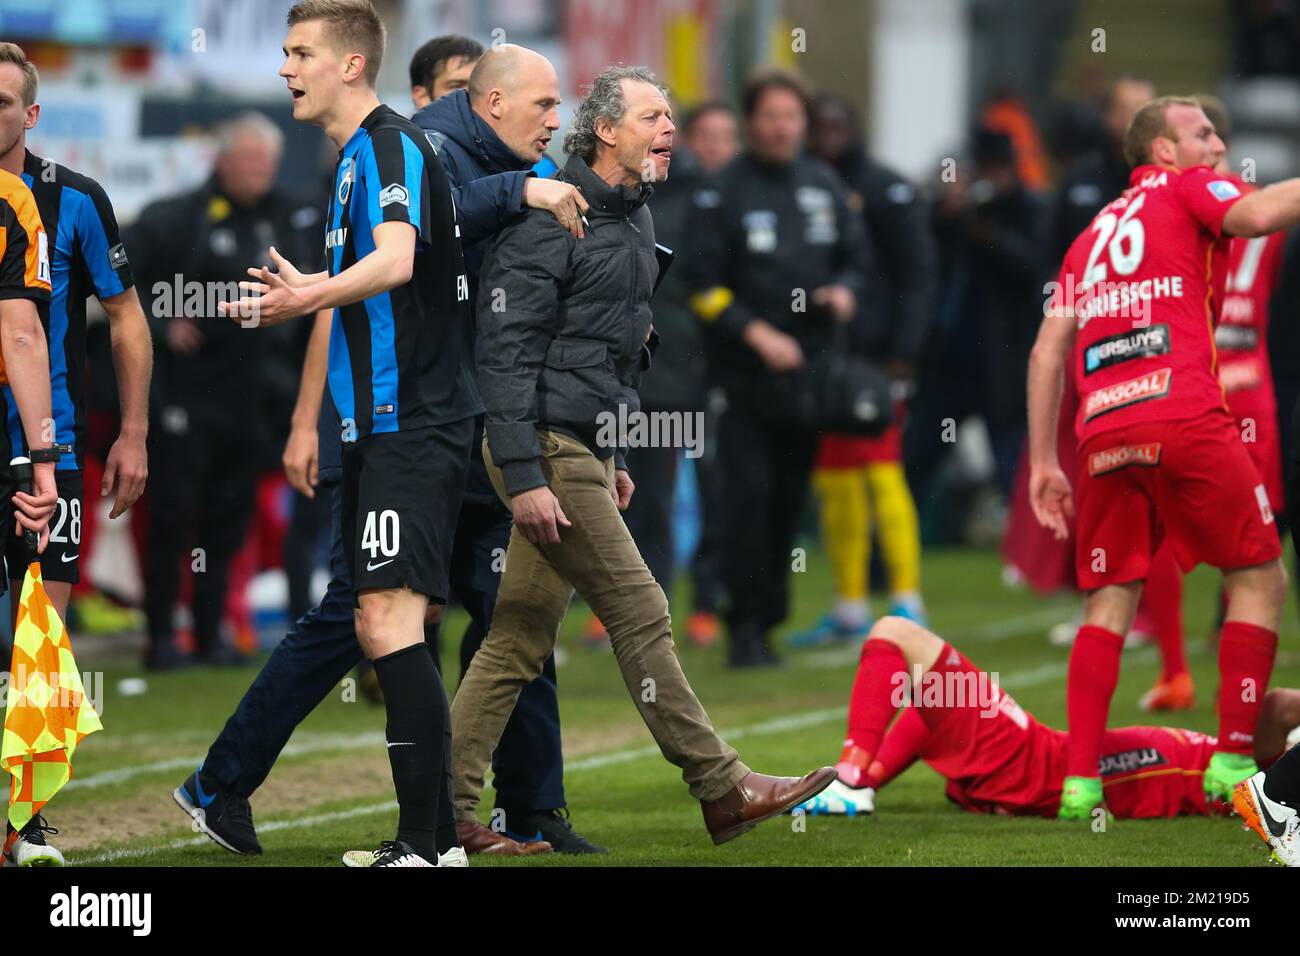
(1127, 761)
(117, 256)
(1139, 343)
(396, 193)
(1238, 376)
(1237, 337)
(43, 257)
(1144, 388)
(1223, 190)
(1122, 456)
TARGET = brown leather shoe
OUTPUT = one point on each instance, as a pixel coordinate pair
(758, 797)
(476, 838)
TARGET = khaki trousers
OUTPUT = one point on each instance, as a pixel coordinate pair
(599, 559)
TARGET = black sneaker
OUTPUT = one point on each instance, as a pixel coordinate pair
(223, 656)
(550, 825)
(750, 647)
(390, 853)
(225, 817)
(165, 657)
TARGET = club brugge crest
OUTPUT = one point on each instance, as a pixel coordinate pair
(345, 181)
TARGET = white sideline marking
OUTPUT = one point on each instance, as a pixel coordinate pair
(128, 853)
(313, 744)
(1027, 678)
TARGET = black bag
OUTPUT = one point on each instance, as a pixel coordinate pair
(846, 394)
(837, 391)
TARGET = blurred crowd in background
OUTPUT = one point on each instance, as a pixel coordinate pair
(942, 268)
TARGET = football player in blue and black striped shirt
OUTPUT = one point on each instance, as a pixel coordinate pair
(86, 258)
(399, 375)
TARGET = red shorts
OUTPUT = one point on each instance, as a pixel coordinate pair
(995, 756)
(855, 451)
(1258, 428)
(1192, 481)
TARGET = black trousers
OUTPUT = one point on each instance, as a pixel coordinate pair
(321, 649)
(766, 470)
(706, 568)
(1291, 469)
(309, 518)
(649, 516)
(202, 480)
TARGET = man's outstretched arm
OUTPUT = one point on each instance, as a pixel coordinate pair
(275, 300)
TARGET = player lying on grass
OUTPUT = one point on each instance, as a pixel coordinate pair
(994, 755)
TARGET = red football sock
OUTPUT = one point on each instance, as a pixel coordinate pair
(1246, 654)
(875, 697)
(1162, 598)
(1094, 672)
(900, 748)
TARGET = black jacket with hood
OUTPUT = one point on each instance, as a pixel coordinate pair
(487, 179)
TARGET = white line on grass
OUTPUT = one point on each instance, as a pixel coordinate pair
(130, 853)
(313, 744)
(810, 718)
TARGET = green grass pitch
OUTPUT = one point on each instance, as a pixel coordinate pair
(331, 791)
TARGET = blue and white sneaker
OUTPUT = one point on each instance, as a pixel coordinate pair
(912, 609)
(828, 630)
(840, 800)
(225, 817)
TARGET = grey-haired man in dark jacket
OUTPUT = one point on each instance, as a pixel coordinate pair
(563, 328)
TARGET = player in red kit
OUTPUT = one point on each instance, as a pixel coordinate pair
(1242, 293)
(995, 756)
(1160, 456)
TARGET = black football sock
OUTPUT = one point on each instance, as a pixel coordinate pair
(445, 837)
(1282, 780)
(433, 639)
(413, 700)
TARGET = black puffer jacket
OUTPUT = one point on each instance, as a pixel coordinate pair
(562, 324)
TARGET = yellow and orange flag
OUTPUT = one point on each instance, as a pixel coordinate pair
(47, 714)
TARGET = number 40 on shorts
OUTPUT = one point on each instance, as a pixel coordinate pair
(382, 534)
